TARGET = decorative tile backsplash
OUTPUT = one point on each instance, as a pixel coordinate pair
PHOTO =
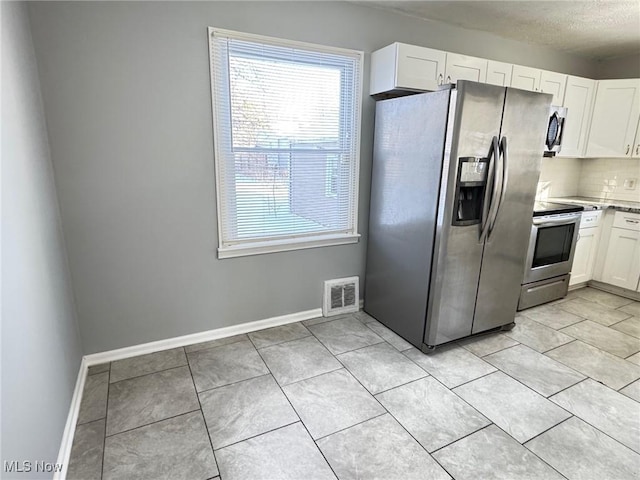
(589, 177)
(605, 178)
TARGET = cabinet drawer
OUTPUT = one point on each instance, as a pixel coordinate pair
(590, 219)
(627, 220)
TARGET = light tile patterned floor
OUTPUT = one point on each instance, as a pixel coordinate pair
(556, 397)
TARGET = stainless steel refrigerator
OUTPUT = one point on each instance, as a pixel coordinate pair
(453, 186)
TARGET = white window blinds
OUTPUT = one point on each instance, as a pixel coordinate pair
(286, 134)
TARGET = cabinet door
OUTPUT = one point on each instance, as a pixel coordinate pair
(419, 68)
(615, 118)
(553, 83)
(636, 149)
(585, 256)
(578, 98)
(526, 78)
(622, 262)
(462, 67)
(499, 73)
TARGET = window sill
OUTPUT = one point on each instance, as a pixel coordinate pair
(273, 246)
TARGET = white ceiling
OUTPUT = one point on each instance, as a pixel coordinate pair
(599, 29)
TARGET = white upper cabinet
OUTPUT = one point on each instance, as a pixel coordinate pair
(499, 73)
(578, 98)
(603, 118)
(616, 113)
(406, 67)
(553, 83)
(636, 148)
(526, 78)
(463, 67)
(536, 80)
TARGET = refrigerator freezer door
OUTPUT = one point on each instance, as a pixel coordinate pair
(458, 249)
(524, 123)
(407, 166)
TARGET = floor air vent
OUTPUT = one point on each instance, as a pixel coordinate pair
(341, 295)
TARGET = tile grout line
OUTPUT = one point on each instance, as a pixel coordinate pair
(539, 393)
(279, 343)
(540, 458)
(153, 423)
(523, 445)
(204, 419)
(531, 388)
(571, 414)
(570, 386)
(386, 412)
(623, 387)
(465, 436)
(598, 430)
(583, 340)
(106, 414)
(427, 375)
(300, 418)
(585, 374)
(150, 373)
(559, 346)
(382, 340)
(474, 379)
(232, 383)
(481, 357)
(258, 435)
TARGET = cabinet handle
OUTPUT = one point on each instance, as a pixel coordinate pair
(628, 148)
(638, 149)
(632, 221)
(440, 79)
(448, 78)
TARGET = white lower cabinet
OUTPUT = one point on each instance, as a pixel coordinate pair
(622, 260)
(584, 258)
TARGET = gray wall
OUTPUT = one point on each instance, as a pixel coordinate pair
(620, 67)
(40, 342)
(127, 97)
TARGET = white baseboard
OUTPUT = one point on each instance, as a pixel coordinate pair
(70, 427)
(143, 348)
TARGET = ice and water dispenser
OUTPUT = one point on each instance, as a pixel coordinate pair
(470, 190)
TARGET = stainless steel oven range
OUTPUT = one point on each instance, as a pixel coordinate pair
(554, 233)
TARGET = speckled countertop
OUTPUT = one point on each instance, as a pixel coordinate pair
(600, 202)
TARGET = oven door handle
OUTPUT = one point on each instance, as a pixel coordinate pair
(560, 221)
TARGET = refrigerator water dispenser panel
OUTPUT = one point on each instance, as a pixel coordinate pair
(470, 190)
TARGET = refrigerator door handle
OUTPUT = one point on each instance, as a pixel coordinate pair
(503, 156)
(491, 185)
(496, 182)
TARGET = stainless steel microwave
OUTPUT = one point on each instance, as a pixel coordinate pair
(555, 129)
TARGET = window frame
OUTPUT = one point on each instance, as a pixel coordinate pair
(292, 241)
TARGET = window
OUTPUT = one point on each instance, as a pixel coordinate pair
(287, 138)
